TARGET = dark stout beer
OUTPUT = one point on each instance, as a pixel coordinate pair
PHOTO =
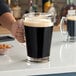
(38, 37)
(71, 26)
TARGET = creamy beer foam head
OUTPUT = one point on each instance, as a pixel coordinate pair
(73, 18)
(37, 22)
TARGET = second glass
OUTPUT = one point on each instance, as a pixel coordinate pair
(71, 27)
(38, 33)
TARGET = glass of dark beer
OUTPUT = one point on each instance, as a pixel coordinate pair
(71, 27)
(38, 33)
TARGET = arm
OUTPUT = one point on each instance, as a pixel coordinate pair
(8, 21)
(6, 18)
(15, 27)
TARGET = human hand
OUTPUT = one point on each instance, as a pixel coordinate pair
(18, 31)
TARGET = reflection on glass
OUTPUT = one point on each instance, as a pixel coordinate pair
(68, 53)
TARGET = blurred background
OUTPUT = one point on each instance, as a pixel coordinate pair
(20, 7)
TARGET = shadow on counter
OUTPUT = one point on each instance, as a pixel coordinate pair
(60, 74)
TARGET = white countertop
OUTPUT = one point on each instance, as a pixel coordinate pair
(62, 59)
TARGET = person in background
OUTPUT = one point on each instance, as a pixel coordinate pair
(8, 21)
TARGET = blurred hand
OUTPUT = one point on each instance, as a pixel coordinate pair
(18, 31)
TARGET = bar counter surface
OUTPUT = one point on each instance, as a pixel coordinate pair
(62, 59)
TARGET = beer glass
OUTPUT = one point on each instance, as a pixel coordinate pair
(38, 32)
(71, 28)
